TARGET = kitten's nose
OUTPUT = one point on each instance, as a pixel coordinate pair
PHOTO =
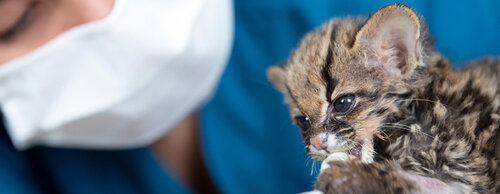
(319, 141)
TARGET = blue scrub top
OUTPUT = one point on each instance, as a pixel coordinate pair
(248, 142)
(52, 170)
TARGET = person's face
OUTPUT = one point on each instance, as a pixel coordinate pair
(27, 24)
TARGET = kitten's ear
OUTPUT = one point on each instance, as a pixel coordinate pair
(390, 40)
(276, 75)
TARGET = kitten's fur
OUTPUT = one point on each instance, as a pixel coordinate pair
(416, 125)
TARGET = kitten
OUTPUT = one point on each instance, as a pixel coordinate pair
(386, 113)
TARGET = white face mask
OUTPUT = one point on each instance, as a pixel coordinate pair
(120, 82)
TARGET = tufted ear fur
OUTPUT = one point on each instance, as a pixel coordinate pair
(276, 74)
(390, 40)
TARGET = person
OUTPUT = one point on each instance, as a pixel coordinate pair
(87, 87)
(248, 140)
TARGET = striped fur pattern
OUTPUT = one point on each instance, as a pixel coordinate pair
(416, 125)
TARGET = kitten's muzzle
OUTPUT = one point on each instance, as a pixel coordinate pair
(326, 143)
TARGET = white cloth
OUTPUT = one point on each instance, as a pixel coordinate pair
(119, 82)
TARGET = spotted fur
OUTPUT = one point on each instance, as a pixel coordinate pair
(418, 124)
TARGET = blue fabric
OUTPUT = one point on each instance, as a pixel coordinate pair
(50, 170)
(249, 143)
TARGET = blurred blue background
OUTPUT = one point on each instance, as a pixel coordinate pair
(248, 141)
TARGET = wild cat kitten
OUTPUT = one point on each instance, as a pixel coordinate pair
(387, 114)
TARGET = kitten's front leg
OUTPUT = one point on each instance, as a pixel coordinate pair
(355, 177)
(386, 177)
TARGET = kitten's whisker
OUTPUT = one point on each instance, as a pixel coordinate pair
(425, 100)
(383, 136)
(399, 124)
(410, 129)
(367, 148)
(313, 167)
(417, 99)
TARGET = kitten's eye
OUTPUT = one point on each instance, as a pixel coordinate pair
(303, 123)
(344, 103)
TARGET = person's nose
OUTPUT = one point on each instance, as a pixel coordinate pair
(319, 141)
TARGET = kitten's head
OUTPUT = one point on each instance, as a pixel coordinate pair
(340, 80)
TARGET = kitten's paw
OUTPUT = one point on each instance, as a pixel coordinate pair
(357, 177)
(337, 177)
(337, 156)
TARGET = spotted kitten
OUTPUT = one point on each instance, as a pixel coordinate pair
(387, 114)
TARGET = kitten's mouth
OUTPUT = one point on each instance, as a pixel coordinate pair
(334, 148)
(355, 152)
